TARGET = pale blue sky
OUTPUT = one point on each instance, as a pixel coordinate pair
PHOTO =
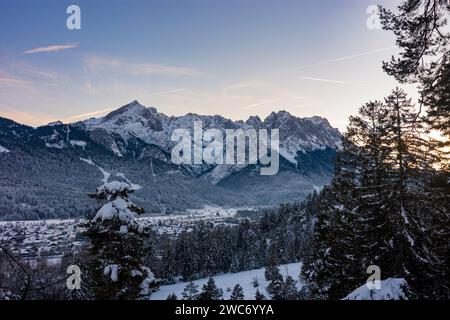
(235, 58)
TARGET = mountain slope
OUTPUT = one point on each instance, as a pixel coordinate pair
(46, 172)
(47, 175)
(296, 134)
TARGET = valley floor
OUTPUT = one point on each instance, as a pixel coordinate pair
(49, 238)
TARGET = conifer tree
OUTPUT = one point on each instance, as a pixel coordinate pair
(329, 269)
(187, 258)
(290, 291)
(420, 27)
(172, 297)
(237, 293)
(272, 274)
(210, 291)
(190, 292)
(168, 272)
(381, 207)
(259, 295)
(412, 203)
(115, 266)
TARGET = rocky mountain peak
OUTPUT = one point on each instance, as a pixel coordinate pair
(278, 118)
(254, 121)
(133, 107)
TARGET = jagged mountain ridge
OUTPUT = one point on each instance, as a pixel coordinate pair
(297, 135)
(47, 171)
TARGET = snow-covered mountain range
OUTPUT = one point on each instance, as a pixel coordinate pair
(153, 127)
(46, 171)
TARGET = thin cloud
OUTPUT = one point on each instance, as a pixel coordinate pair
(33, 118)
(254, 105)
(99, 63)
(96, 63)
(155, 69)
(343, 58)
(14, 81)
(88, 115)
(334, 81)
(30, 70)
(53, 48)
(163, 93)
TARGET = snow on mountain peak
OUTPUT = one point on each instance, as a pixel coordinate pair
(133, 107)
(55, 123)
(254, 121)
(318, 120)
(278, 117)
(296, 134)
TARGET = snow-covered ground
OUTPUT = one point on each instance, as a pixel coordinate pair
(389, 289)
(227, 281)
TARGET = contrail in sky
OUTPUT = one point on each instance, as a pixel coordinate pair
(334, 81)
(342, 58)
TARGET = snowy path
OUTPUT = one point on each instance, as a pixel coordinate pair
(229, 280)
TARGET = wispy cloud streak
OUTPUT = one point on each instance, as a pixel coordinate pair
(334, 81)
(254, 105)
(97, 63)
(162, 93)
(13, 81)
(349, 57)
(53, 48)
(88, 115)
(155, 69)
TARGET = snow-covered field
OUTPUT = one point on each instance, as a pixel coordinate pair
(389, 289)
(227, 281)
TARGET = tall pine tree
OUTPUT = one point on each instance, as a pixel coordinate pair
(115, 267)
(382, 207)
(420, 27)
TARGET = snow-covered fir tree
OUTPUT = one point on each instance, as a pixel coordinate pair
(186, 255)
(273, 275)
(328, 271)
(290, 291)
(190, 292)
(115, 267)
(382, 207)
(237, 293)
(168, 262)
(172, 297)
(420, 27)
(210, 291)
(259, 295)
(418, 210)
